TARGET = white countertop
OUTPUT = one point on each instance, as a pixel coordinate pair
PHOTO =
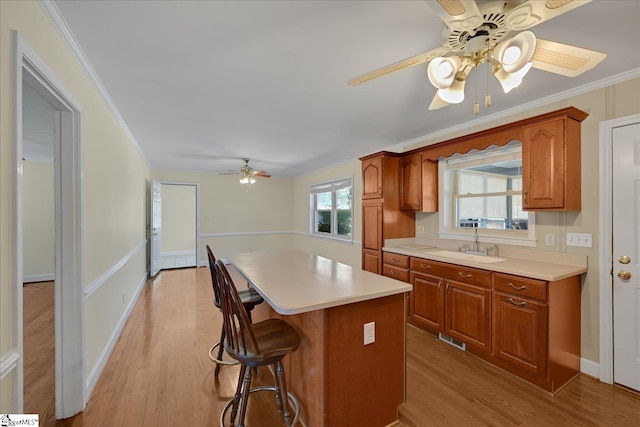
(541, 268)
(295, 281)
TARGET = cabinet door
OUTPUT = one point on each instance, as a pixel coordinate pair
(429, 186)
(543, 165)
(371, 261)
(468, 314)
(372, 236)
(372, 175)
(411, 176)
(520, 332)
(427, 301)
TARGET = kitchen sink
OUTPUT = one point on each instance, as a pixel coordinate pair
(481, 259)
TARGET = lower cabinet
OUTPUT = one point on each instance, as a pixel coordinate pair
(527, 326)
(442, 302)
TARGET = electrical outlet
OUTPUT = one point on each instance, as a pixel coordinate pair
(369, 333)
(420, 229)
(550, 239)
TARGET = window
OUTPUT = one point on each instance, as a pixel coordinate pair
(332, 209)
(484, 190)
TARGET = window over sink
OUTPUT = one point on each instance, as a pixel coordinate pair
(483, 189)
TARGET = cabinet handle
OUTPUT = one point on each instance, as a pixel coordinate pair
(520, 304)
(517, 288)
(425, 266)
(446, 289)
(395, 259)
(465, 276)
(395, 272)
(440, 286)
(524, 198)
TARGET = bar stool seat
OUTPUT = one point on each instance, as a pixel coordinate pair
(249, 298)
(253, 345)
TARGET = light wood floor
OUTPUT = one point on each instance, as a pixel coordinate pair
(159, 375)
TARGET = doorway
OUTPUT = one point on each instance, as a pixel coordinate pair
(180, 235)
(30, 70)
(619, 271)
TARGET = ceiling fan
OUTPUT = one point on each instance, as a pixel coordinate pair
(492, 32)
(247, 173)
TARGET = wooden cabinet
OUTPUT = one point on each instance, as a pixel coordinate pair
(382, 217)
(395, 266)
(452, 299)
(536, 328)
(419, 184)
(551, 164)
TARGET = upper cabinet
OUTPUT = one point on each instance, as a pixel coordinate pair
(419, 184)
(372, 177)
(551, 165)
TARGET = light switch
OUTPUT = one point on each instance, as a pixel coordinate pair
(369, 333)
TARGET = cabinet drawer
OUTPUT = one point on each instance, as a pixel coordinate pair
(520, 286)
(471, 276)
(396, 259)
(397, 273)
(422, 265)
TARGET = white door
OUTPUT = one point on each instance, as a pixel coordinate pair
(156, 228)
(626, 255)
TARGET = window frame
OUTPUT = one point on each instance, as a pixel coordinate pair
(330, 186)
(447, 200)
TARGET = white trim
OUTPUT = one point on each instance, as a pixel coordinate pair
(95, 285)
(589, 367)
(69, 216)
(38, 278)
(95, 373)
(8, 362)
(52, 12)
(606, 243)
(177, 253)
(245, 233)
(560, 96)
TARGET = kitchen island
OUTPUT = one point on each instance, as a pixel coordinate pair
(338, 380)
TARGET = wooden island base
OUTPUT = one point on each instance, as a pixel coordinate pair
(338, 380)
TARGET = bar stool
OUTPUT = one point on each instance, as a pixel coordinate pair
(259, 344)
(249, 297)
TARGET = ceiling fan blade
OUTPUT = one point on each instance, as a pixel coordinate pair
(396, 66)
(262, 174)
(564, 59)
(459, 15)
(437, 103)
(533, 12)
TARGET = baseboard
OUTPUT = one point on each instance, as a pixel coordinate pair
(95, 373)
(38, 278)
(178, 253)
(590, 368)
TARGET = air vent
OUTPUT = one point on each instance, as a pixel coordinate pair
(453, 342)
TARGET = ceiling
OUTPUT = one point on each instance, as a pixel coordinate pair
(202, 84)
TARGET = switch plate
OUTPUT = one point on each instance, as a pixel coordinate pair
(369, 333)
(583, 240)
(550, 239)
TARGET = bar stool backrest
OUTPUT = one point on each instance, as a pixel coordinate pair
(214, 279)
(240, 341)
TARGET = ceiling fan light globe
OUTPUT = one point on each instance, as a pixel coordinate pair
(453, 94)
(514, 53)
(511, 81)
(442, 71)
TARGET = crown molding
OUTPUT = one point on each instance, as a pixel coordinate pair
(52, 12)
(560, 96)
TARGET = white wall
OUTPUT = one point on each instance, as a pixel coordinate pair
(37, 222)
(116, 178)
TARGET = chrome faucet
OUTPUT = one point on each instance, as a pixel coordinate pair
(476, 246)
